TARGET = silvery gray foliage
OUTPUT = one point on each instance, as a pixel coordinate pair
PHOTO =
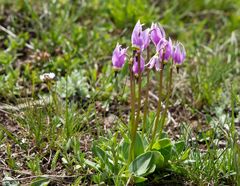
(74, 84)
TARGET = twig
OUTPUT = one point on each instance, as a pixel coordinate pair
(17, 171)
(3, 162)
(51, 176)
(42, 176)
(1, 110)
(14, 36)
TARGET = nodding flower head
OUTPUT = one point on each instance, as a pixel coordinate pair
(157, 33)
(135, 65)
(165, 49)
(154, 62)
(179, 54)
(119, 57)
(140, 38)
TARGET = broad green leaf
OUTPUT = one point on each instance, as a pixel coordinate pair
(164, 146)
(142, 164)
(146, 163)
(165, 142)
(125, 149)
(158, 158)
(162, 143)
(138, 148)
(156, 146)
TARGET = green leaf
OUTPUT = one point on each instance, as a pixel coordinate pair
(179, 146)
(164, 146)
(139, 179)
(156, 146)
(158, 159)
(40, 182)
(103, 157)
(99, 153)
(165, 142)
(142, 164)
(5, 58)
(9, 181)
(54, 161)
(146, 163)
(92, 164)
(185, 155)
(162, 143)
(125, 149)
(139, 147)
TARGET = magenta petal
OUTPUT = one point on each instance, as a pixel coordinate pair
(154, 62)
(136, 34)
(145, 38)
(157, 33)
(140, 38)
(135, 65)
(165, 49)
(119, 57)
(168, 50)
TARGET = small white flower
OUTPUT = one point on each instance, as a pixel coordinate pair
(47, 76)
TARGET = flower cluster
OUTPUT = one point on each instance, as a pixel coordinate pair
(141, 39)
(165, 51)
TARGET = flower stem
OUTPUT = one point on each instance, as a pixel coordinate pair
(145, 112)
(167, 100)
(159, 107)
(132, 116)
(139, 104)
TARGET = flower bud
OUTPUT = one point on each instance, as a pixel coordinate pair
(179, 54)
(119, 57)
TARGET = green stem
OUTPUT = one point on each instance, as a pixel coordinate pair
(159, 107)
(132, 116)
(145, 112)
(66, 111)
(167, 100)
(139, 92)
(138, 106)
